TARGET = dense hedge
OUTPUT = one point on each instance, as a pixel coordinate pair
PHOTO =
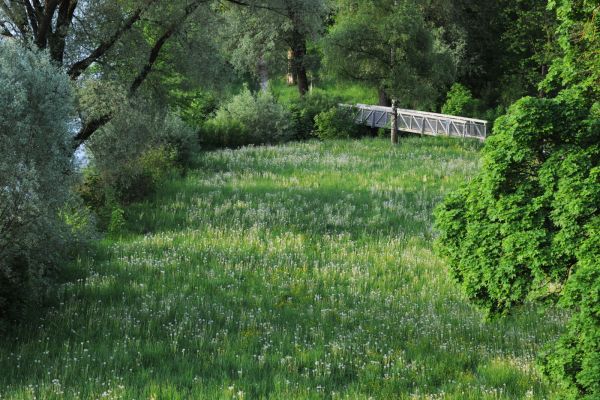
(526, 228)
(131, 155)
(337, 123)
(246, 119)
(304, 111)
(35, 107)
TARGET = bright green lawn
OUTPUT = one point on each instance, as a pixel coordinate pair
(347, 92)
(302, 271)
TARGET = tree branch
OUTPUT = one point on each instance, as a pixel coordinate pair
(158, 45)
(66, 12)
(77, 68)
(17, 17)
(280, 11)
(92, 126)
(5, 31)
(45, 25)
(33, 17)
(89, 127)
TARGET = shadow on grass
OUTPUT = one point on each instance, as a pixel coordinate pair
(158, 315)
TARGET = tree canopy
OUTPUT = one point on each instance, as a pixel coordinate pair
(388, 45)
(526, 228)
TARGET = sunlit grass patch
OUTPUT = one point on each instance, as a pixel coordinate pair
(301, 271)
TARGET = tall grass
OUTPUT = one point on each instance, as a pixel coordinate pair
(348, 92)
(302, 271)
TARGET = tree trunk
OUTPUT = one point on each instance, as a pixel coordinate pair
(394, 133)
(298, 62)
(291, 79)
(384, 99)
(263, 74)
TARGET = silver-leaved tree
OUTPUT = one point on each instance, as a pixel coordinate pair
(35, 144)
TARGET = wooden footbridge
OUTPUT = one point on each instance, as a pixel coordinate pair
(424, 123)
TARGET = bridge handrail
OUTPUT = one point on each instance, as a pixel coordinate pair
(422, 122)
(421, 113)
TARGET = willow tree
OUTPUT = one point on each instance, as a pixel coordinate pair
(35, 106)
(388, 45)
(88, 37)
(258, 37)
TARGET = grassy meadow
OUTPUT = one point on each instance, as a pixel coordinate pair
(347, 92)
(301, 271)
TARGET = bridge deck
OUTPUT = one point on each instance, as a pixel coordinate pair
(421, 122)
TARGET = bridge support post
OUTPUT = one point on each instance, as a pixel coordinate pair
(394, 133)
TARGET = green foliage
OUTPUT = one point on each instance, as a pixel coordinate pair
(528, 40)
(220, 133)
(139, 178)
(197, 107)
(526, 229)
(337, 123)
(492, 114)
(134, 180)
(248, 119)
(304, 110)
(574, 360)
(136, 126)
(269, 271)
(579, 40)
(460, 101)
(522, 230)
(254, 40)
(35, 164)
(346, 92)
(117, 220)
(389, 45)
(132, 154)
(178, 139)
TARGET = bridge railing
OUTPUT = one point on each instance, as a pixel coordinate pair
(422, 122)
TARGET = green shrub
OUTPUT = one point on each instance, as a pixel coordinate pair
(90, 189)
(460, 102)
(117, 220)
(526, 228)
(197, 107)
(36, 148)
(130, 184)
(104, 190)
(222, 133)
(492, 114)
(248, 119)
(304, 110)
(131, 155)
(158, 162)
(337, 122)
(135, 128)
(176, 135)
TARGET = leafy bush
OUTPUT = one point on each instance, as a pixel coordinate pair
(131, 155)
(196, 107)
(248, 119)
(460, 102)
(117, 220)
(221, 133)
(305, 109)
(106, 190)
(337, 122)
(136, 126)
(35, 144)
(492, 114)
(137, 179)
(173, 133)
(526, 228)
